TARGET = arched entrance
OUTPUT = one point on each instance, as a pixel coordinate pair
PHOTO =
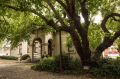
(50, 47)
(37, 49)
(20, 49)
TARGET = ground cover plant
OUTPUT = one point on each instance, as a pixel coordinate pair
(8, 57)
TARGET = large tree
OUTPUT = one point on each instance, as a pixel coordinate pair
(67, 15)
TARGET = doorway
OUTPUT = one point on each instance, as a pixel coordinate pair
(37, 49)
(50, 47)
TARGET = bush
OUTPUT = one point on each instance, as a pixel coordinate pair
(118, 58)
(108, 67)
(24, 57)
(47, 64)
(8, 57)
(67, 62)
(53, 64)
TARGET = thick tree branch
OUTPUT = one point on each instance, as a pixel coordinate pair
(57, 27)
(115, 19)
(85, 12)
(65, 6)
(107, 42)
(103, 24)
(72, 8)
(83, 31)
(67, 2)
(74, 19)
(108, 39)
(62, 4)
(70, 11)
(116, 35)
(56, 13)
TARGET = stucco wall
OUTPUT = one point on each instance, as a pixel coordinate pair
(56, 40)
(15, 52)
(24, 47)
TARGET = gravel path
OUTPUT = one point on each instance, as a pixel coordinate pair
(13, 70)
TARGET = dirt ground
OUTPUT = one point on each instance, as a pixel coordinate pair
(14, 70)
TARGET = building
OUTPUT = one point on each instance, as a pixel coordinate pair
(44, 44)
(111, 52)
(40, 44)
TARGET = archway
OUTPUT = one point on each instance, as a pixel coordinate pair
(37, 49)
(20, 49)
(50, 47)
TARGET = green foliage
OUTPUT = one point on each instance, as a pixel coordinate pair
(8, 57)
(24, 57)
(16, 26)
(47, 64)
(67, 62)
(118, 58)
(95, 36)
(53, 64)
(102, 5)
(22, 22)
(69, 42)
(108, 67)
(113, 26)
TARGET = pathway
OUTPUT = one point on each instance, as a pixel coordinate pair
(12, 70)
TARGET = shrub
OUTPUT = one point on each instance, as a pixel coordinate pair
(67, 62)
(53, 64)
(76, 65)
(108, 67)
(24, 57)
(8, 57)
(118, 58)
(47, 64)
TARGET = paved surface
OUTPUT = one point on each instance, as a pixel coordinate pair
(13, 70)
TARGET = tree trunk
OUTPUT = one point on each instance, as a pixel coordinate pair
(107, 42)
(83, 52)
